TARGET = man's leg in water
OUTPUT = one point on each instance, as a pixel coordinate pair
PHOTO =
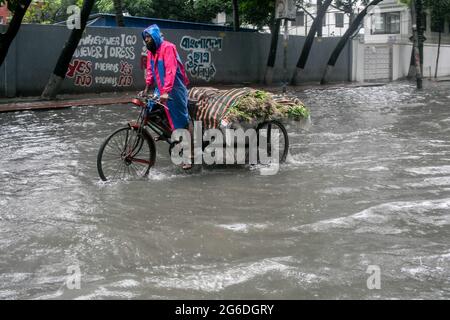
(187, 166)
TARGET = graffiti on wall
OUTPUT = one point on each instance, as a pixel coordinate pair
(81, 71)
(199, 59)
(99, 47)
(94, 61)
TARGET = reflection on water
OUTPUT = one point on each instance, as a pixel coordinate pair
(368, 184)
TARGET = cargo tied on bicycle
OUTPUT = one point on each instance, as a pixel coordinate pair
(130, 152)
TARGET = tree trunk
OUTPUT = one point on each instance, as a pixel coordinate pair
(351, 18)
(236, 23)
(309, 42)
(119, 13)
(7, 38)
(275, 30)
(438, 54)
(320, 25)
(59, 73)
(341, 44)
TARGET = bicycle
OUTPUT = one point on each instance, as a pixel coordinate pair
(131, 151)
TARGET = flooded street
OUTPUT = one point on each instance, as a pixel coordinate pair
(367, 186)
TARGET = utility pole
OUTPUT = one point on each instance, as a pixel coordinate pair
(286, 42)
(285, 11)
(417, 40)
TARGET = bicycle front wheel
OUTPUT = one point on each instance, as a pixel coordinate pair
(126, 154)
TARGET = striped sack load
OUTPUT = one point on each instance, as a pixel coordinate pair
(213, 104)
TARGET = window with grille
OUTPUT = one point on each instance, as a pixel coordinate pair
(339, 20)
(299, 20)
(386, 23)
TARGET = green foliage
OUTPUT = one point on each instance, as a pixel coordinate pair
(261, 95)
(298, 112)
(206, 10)
(439, 9)
(262, 105)
(440, 12)
(235, 114)
(259, 13)
(174, 9)
(350, 6)
(52, 11)
(49, 11)
(187, 10)
(107, 6)
(140, 8)
(255, 105)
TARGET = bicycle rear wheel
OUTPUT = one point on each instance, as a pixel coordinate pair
(127, 153)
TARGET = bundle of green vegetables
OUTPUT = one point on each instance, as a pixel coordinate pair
(259, 105)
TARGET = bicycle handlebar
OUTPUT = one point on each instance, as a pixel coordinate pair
(154, 98)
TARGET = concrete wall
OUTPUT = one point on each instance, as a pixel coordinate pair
(400, 56)
(358, 69)
(429, 63)
(112, 61)
(401, 61)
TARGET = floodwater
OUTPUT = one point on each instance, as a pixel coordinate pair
(366, 189)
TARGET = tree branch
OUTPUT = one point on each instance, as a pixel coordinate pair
(307, 12)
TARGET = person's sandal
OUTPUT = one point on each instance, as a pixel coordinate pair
(186, 167)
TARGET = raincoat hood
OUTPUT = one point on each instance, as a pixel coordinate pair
(155, 33)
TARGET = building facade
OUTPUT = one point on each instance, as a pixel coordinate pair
(334, 24)
(384, 48)
(390, 22)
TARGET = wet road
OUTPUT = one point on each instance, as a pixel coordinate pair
(367, 185)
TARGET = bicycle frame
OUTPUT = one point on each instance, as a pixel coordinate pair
(153, 120)
(136, 151)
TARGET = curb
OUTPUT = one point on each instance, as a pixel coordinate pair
(50, 105)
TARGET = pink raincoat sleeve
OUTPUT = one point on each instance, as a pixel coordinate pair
(149, 74)
(171, 65)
